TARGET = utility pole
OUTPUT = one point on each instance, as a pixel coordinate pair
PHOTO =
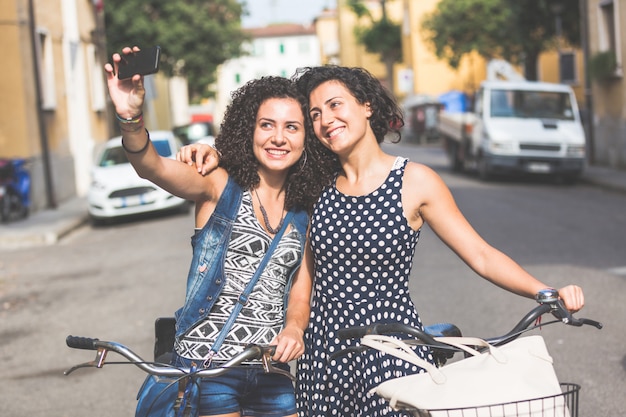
(43, 134)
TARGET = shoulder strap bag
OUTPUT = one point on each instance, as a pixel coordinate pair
(168, 397)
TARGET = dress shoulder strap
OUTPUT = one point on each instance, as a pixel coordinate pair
(400, 163)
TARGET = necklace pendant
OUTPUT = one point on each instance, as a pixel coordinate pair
(266, 220)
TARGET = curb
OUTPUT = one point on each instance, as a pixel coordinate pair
(46, 227)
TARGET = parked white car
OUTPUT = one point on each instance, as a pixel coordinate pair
(116, 190)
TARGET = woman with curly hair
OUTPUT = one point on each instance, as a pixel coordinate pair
(269, 169)
(363, 234)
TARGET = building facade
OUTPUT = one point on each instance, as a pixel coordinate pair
(53, 107)
(273, 50)
(606, 21)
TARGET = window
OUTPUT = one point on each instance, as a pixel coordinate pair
(567, 68)
(531, 104)
(258, 48)
(303, 47)
(45, 59)
(94, 66)
(608, 29)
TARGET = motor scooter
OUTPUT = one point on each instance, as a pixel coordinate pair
(14, 190)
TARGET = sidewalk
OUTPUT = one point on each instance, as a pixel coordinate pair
(47, 227)
(44, 227)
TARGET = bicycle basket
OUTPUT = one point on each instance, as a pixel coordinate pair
(559, 405)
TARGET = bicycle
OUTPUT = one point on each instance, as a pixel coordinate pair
(548, 302)
(161, 368)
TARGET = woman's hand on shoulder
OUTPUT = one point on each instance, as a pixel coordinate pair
(204, 157)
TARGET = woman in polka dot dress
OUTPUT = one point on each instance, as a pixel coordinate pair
(363, 234)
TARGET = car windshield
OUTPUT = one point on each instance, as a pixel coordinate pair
(116, 155)
(531, 104)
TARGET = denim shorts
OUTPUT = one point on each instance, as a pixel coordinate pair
(247, 390)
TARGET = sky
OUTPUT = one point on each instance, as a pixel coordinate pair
(265, 12)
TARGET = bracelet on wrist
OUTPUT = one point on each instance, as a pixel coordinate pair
(131, 128)
(130, 120)
(143, 149)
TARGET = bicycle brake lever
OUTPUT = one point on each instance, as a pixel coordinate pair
(96, 363)
(580, 322)
(562, 313)
(348, 350)
(593, 323)
(267, 365)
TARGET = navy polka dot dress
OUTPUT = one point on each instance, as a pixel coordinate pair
(363, 248)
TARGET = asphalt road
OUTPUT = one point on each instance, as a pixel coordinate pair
(112, 282)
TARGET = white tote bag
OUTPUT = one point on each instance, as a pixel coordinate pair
(511, 376)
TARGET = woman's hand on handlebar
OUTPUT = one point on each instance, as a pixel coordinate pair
(573, 297)
(289, 344)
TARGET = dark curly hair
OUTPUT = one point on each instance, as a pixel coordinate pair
(306, 179)
(387, 117)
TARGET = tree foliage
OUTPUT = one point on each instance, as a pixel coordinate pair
(515, 30)
(382, 37)
(196, 36)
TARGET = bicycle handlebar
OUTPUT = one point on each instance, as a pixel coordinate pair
(558, 310)
(251, 352)
(556, 307)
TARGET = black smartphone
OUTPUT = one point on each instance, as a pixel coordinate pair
(144, 62)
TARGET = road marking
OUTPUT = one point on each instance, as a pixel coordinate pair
(618, 271)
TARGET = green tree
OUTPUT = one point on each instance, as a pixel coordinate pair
(382, 37)
(196, 36)
(515, 30)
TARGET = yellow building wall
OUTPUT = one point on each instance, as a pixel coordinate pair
(352, 54)
(327, 31)
(17, 128)
(69, 129)
(549, 71)
(608, 97)
(431, 75)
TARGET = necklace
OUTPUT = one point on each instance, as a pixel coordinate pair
(266, 219)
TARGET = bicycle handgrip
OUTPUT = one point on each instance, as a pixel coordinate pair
(78, 342)
(356, 332)
(589, 322)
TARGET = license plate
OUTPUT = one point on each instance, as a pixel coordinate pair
(135, 200)
(538, 167)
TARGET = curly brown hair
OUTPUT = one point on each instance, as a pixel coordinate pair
(306, 179)
(387, 117)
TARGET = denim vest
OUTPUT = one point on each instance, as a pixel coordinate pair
(206, 280)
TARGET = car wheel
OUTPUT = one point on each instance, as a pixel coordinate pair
(5, 209)
(484, 172)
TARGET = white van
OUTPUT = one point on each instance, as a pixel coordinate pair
(517, 127)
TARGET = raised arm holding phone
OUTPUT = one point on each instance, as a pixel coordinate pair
(266, 184)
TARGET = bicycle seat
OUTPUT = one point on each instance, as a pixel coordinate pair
(443, 329)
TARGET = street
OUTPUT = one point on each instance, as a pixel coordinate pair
(112, 282)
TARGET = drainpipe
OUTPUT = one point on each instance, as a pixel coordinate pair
(43, 136)
(584, 31)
